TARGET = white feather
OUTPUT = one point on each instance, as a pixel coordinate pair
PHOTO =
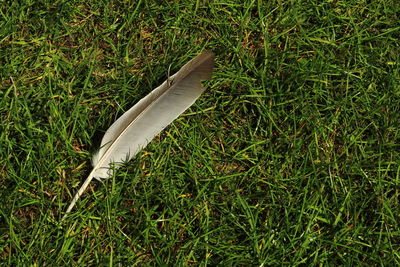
(138, 126)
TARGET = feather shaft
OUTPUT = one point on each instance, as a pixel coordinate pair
(141, 123)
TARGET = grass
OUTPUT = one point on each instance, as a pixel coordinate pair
(291, 157)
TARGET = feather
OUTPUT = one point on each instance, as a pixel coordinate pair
(141, 123)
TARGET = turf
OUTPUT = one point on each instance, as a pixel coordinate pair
(292, 156)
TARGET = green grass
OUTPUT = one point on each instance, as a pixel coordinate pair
(292, 156)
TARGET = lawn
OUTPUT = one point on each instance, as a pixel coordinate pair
(291, 156)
